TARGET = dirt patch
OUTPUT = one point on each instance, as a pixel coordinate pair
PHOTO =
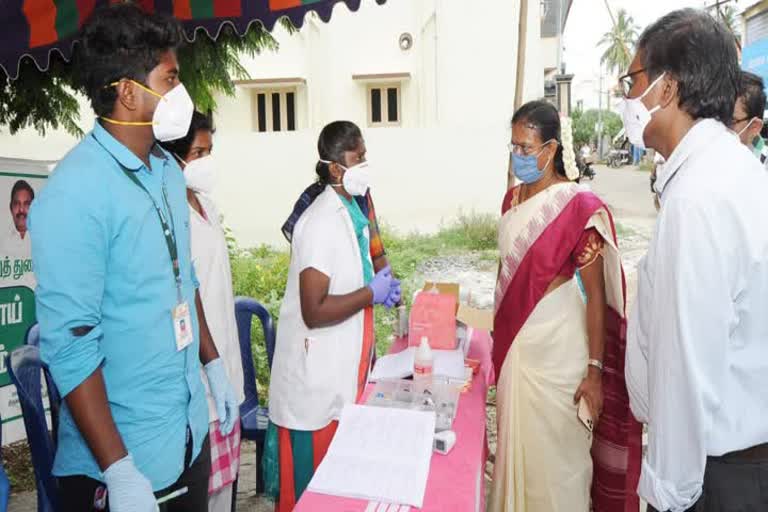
(18, 465)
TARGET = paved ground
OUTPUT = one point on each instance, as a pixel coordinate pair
(628, 195)
(246, 494)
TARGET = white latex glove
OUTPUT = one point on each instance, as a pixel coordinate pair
(227, 407)
(128, 489)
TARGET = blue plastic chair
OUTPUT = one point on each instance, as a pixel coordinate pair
(5, 484)
(25, 369)
(253, 418)
(33, 335)
(33, 339)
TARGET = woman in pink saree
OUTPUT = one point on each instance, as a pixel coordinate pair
(552, 350)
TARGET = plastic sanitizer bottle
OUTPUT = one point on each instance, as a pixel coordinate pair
(422, 365)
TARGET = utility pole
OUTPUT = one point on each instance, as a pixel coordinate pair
(613, 24)
(522, 37)
(560, 36)
(600, 117)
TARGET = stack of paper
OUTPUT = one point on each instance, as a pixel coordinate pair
(448, 363)
(378, 454)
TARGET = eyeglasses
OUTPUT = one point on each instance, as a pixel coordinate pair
(627, 82)
(525, 149)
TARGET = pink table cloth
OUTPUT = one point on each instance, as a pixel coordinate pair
(455, 480)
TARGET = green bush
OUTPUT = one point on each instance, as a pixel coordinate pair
(262, 274)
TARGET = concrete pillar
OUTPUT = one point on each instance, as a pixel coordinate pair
(564, 93)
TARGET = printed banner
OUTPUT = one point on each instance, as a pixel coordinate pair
(17, 279)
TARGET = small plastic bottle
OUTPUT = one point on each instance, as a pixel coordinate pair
(422, 365)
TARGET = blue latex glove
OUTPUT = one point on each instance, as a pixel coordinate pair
(227, 407)
(381, 284)
(394, 294)
(128, 489)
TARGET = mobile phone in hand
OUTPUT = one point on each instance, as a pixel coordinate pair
(585, 415)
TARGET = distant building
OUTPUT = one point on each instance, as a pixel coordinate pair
(754, 54)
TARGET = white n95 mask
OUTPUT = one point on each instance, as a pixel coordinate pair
(636, 116)
(173, 114)
(200, 175)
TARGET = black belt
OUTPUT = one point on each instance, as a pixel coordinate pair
(755, 453)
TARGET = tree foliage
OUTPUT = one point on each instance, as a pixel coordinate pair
(619, 43)
(45, 100)
(728, 15)
(585, 122)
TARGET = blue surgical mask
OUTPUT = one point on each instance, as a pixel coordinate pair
(526, 168)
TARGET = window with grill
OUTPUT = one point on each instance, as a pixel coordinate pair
(384, 105)
(274, 110)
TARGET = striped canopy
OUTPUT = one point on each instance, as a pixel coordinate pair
(36, 28)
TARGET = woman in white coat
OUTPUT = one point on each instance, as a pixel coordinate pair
(211, 260)
(325, 338)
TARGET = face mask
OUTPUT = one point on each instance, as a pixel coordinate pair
(357, 179)
(745, 128)
(526, 168)
(172, 116)
(200, 174)
(636, 116)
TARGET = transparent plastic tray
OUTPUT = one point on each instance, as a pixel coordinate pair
(439, 395)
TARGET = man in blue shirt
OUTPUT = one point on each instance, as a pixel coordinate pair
(116, 291)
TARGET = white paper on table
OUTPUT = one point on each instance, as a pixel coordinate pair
(380, 454)
(394, 366)
(448, 363)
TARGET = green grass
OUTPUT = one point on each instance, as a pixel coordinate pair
(261, 273)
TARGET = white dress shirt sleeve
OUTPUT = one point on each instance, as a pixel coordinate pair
(691, 311)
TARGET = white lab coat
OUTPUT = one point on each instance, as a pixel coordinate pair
(314, 372)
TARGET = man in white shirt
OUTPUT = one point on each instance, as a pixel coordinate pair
(697, 348)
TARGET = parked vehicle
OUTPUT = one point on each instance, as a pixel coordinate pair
(588, 172)
(619, 157)
(585, 167)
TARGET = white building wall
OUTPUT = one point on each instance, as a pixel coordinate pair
(450, 152)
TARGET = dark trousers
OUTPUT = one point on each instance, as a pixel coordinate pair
(735, 482)
(80, 493)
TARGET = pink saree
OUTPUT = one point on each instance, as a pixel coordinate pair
(535, 244)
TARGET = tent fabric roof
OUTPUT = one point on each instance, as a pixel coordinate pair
(37, 28)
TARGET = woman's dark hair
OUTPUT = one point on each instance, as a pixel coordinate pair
(121, 41)
(698, 52)
(180, 147)
(545, 119)
(752, 93)
(334, 140)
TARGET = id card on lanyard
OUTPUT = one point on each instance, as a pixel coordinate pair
(180, 315)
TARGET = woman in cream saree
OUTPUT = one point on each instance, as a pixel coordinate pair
(545, 343)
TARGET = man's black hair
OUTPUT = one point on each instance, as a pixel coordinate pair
(121, 41)
(697, 51)
(19, 186)
(752, 93)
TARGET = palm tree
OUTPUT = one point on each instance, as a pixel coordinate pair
(619, 43)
